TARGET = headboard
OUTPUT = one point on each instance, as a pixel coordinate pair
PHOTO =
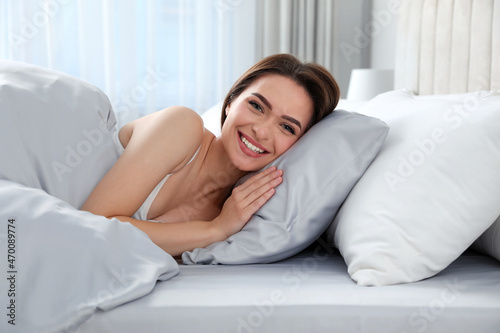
(448, 46)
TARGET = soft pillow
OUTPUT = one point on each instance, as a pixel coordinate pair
(319, 171)
(489, 241)
(65, 264)
(56, 131)
(433, 189)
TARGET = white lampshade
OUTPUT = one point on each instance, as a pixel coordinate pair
(367, 83)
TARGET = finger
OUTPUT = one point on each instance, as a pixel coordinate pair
(257, 177)
(258, 203)
(262, 179)
(251, 195)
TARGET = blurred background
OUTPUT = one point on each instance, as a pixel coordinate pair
(150, 54)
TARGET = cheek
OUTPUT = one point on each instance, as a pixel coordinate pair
(284, 144)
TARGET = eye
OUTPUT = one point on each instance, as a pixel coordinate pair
(288, 128)
(256, 106)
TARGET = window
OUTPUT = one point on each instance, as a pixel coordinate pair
(145, 55)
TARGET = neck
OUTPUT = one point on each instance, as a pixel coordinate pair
(219, 169)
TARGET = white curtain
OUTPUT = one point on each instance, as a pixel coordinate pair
(317, 30)
(144, 54)
(150, 54)
(303, 28)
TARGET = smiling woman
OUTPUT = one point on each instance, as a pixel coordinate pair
(265, 120)
(169, 158)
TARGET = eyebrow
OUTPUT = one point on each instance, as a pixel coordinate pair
(266, 102)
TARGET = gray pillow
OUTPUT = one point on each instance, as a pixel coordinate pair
(319, 172)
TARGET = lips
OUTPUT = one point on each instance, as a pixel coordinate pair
(250, 147)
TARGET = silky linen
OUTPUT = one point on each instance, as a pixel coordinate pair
(65, 263)
(311, 292)
(55, 131)
(62, 264)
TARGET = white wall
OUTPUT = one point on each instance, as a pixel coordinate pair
(352, 47)
(365, 31)
(371, 38)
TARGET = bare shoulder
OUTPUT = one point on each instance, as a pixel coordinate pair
(172, 119)
(178, 128)
(155, 145)
(162, 142)
(185, 125)
(180, 116)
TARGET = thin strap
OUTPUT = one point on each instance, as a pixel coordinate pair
(192, 158)
(143, 211)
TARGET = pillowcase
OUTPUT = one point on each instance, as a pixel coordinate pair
(433, 189)
(489, 241)
(319, 171)
(55, 131)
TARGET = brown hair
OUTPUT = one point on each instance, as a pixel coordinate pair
(314, 78)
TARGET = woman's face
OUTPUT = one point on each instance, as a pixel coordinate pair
(265, 120)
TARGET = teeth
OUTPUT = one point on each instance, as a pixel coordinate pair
(251, 146)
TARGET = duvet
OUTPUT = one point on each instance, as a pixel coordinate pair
(60, 265)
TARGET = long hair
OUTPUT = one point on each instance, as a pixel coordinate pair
(314, 78)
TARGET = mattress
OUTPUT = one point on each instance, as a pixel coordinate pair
(311, 292)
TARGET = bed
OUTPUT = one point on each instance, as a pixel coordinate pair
(401, 234)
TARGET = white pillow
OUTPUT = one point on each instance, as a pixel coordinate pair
(433, 189)
(211, 119)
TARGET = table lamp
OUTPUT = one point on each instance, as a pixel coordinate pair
(366, 83)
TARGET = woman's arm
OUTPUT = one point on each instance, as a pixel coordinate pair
(156, 145)
(177, 237)
(246, 199)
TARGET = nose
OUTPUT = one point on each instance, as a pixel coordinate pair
(262, 130)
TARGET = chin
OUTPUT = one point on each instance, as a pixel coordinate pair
(250, 167)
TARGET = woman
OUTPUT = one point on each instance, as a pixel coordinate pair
(173, 170)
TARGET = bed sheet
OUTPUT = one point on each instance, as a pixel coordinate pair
(311, 292)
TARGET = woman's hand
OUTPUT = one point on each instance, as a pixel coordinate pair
(246, 199)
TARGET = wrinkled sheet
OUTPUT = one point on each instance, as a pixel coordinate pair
(59, 264)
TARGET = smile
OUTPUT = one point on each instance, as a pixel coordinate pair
(251, 146)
